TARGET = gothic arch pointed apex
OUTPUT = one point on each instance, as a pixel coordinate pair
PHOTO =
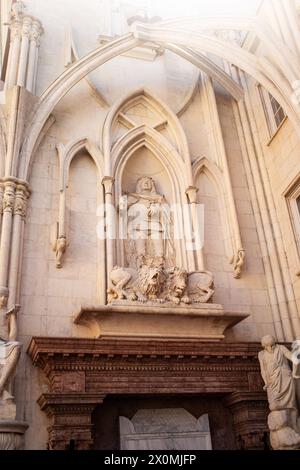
(67, 152)
(203, 165)
(155, 105)
(145, 136)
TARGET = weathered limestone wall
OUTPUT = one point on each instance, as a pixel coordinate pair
(49, 296)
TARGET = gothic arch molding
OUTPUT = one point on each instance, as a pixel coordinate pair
(170, 160)
(259, 68)
(284, 56)
(280, 88)
(232, 239)
(166, 114)
(68, 153)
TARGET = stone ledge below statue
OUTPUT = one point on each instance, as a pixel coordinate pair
(11, 434)
(204, 322)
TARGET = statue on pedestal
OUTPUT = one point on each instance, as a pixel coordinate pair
(10, 349)
(151, 274)
(279, 379)
(149, 226)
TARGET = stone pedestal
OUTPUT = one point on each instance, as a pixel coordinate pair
(11, 435)
(205, 322)
(283, 426)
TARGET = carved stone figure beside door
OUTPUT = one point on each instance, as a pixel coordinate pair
(10, 350)
(279, 378)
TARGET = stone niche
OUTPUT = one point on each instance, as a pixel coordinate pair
(152, 279)
(165, 429)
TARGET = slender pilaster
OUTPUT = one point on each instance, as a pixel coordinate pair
(1, 205)
(25, 34)
(20, 207)
(233, 241)
(8, 208)
(191, 193)
(36, 32)
(23, 55)
(108, 183)
(15, 27)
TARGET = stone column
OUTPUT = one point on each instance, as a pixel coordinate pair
(36, 32)
(191, 193)
(14, 52)
(250, 412)
(23, 54)
(25, 34)
(20, 207)
(108, 183)
(1, 205)
(71, 419)
(8, 208)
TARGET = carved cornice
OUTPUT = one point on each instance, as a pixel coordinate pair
(42, 350)
(72, 365)
(72, 403)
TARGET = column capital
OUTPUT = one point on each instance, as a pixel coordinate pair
(12, 179)
(15, 28)
(26, 26)
(21, 196)
(191, 193)
(13, 195)
(108, 183)
(36, 31)
(9, 196)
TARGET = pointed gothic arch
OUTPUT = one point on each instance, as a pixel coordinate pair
(278, 84)
(68, 153)
(232, 236)
(180, 150)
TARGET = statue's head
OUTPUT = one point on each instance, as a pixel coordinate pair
(146, 185)
(3, 297)
(268, 342)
